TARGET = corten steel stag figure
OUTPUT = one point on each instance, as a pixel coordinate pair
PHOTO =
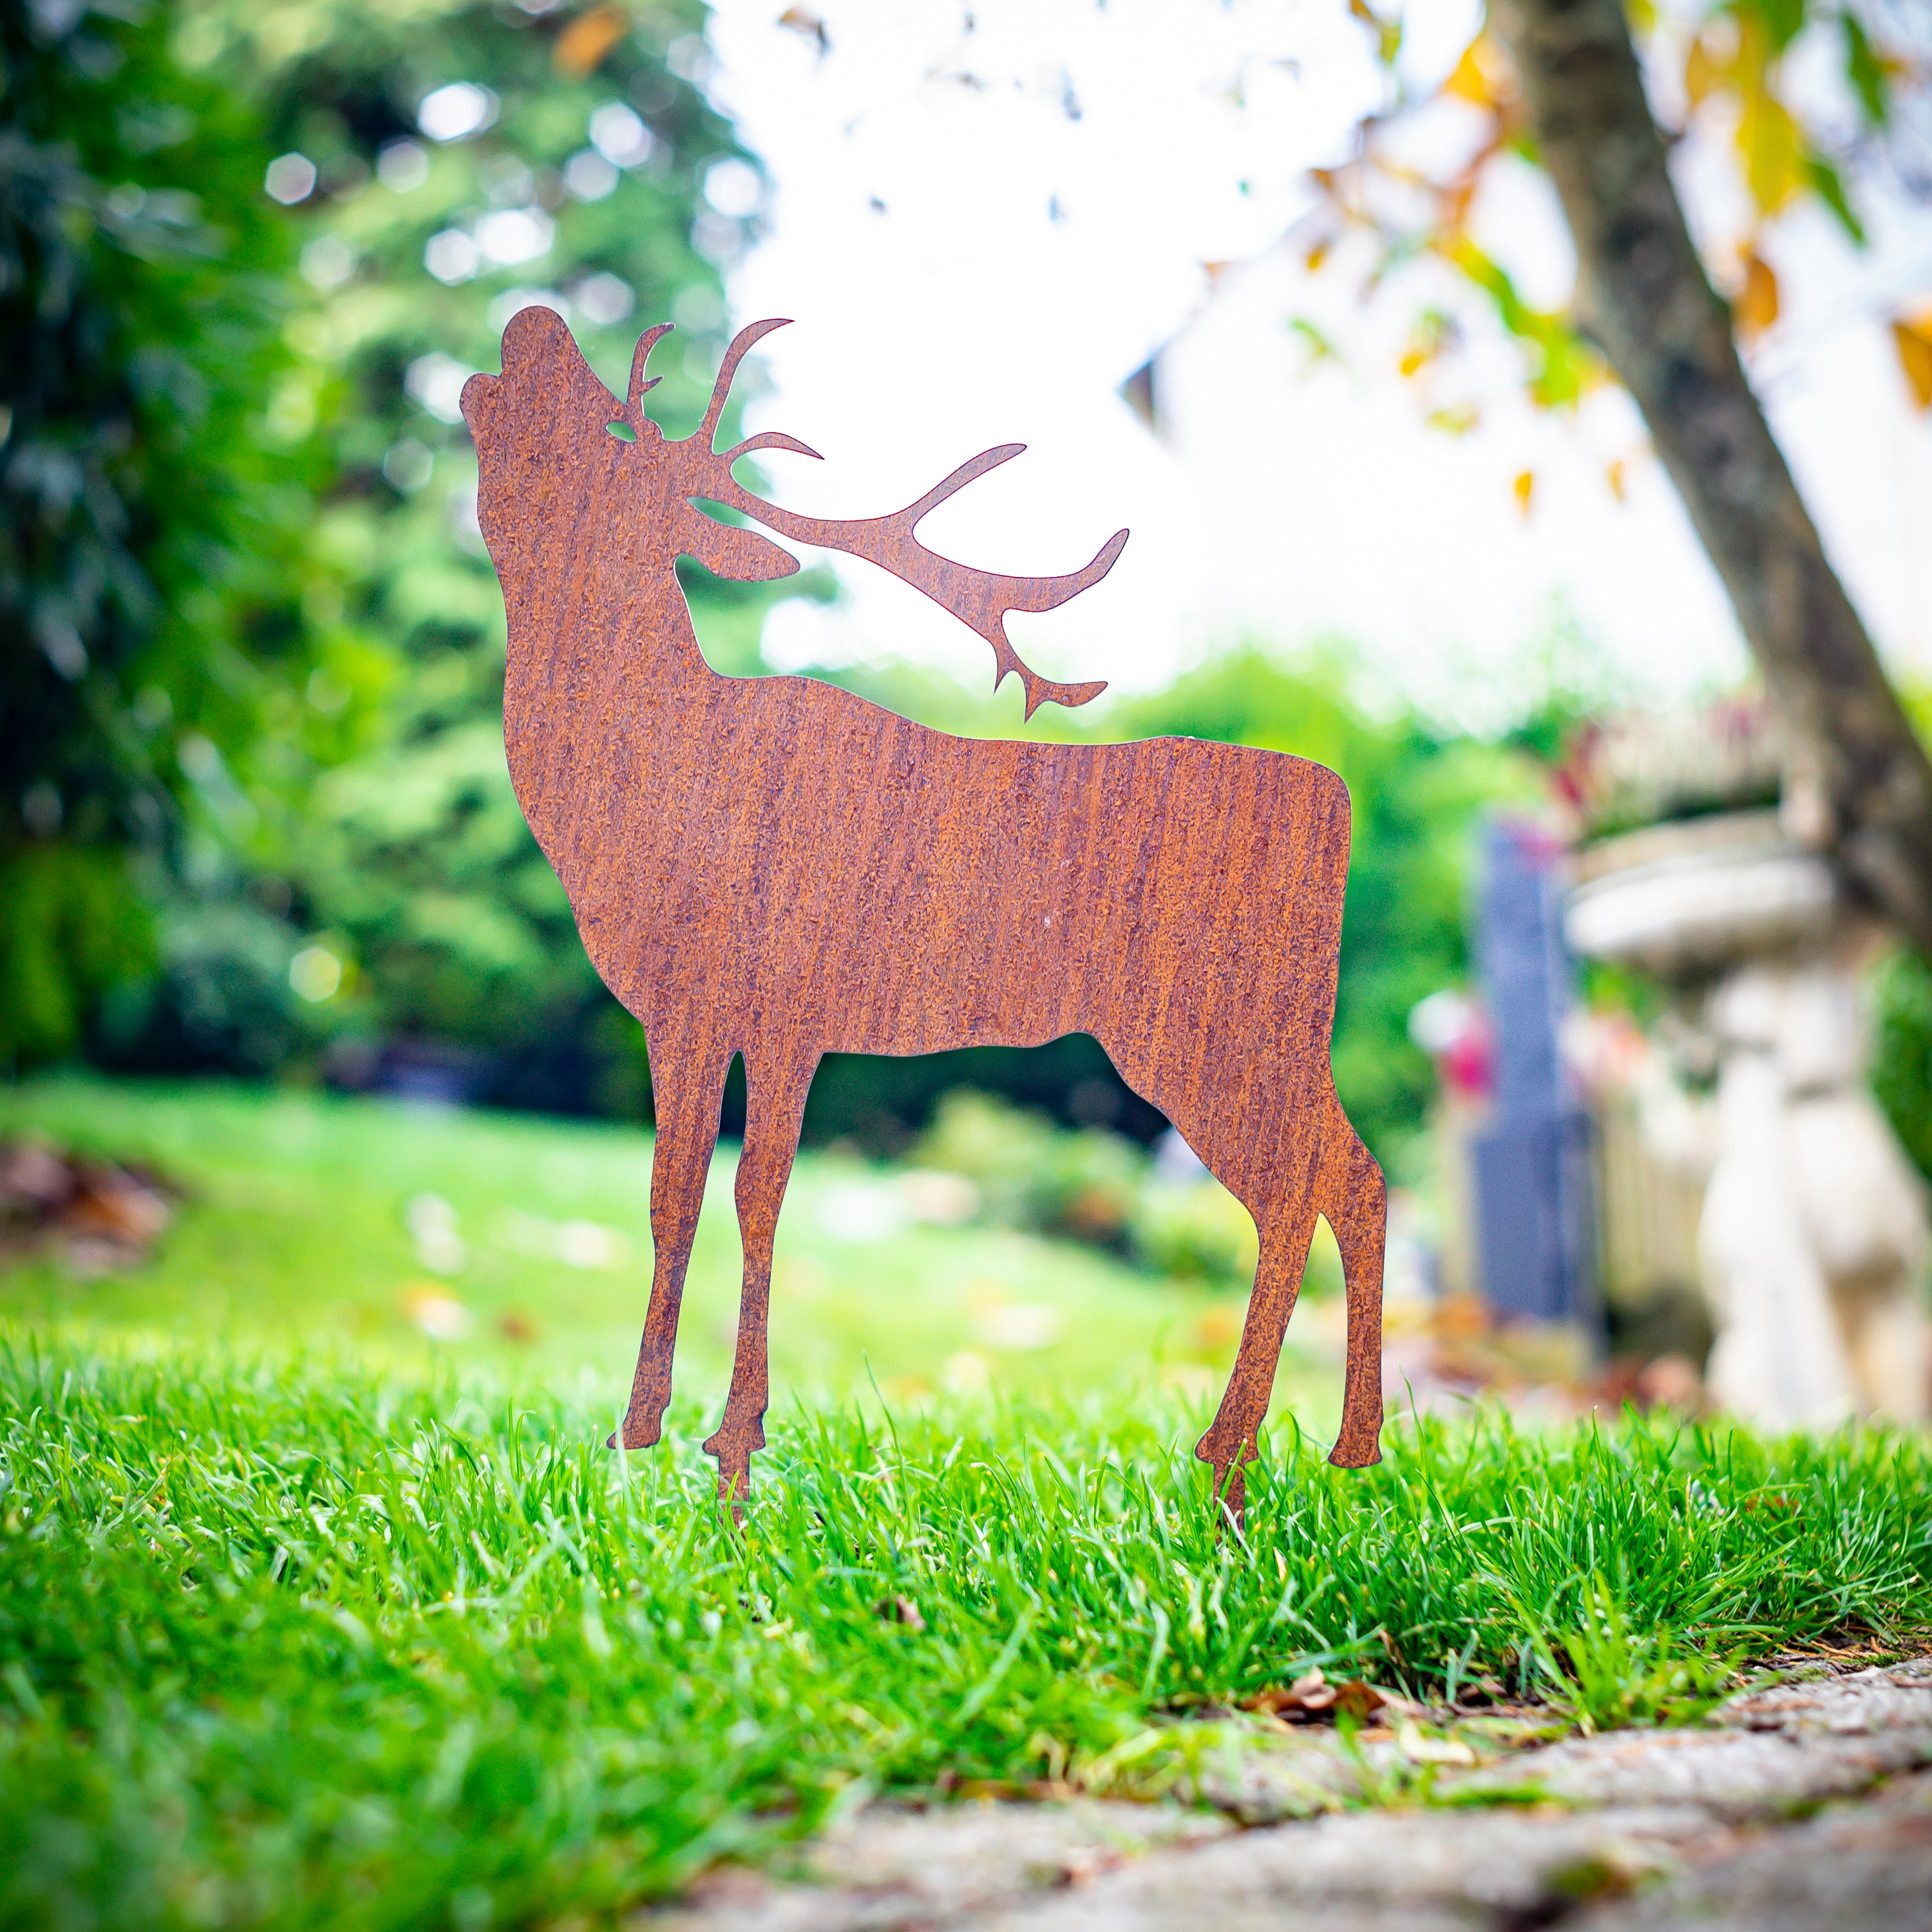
(773, 867)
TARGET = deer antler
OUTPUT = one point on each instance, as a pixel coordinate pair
(979, 598)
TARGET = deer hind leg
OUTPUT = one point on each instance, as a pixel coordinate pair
(1349, 1190)
(687, 1088)
(774, 1107)
(1355, 1200)
(1230, 1441)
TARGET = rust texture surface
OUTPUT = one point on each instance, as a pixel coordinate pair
(775, 868)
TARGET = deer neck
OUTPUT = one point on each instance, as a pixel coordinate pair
(605, 676)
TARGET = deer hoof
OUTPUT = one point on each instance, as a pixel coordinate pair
(1226, 1448)
(1357, 1448)
(643, 1427)
(736, 1442)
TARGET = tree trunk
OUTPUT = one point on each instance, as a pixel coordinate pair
(1642, 294)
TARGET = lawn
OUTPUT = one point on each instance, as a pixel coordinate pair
(283, 1645)
(297, 1229)
(300, 1629)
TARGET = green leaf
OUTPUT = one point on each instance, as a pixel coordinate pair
(1782, 20)
(1564, 364)
(1830, 187)
(1864, 70)
(1320, 345)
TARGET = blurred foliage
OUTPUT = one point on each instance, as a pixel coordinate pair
(1901, 1061)
(152, 562)
(1901, 1007)
(69, 925)
(467, 160)
(257, 807)
(253, 655)
(1809, 96)
(875, 1105)
(1196, 1230)
(1091, 1185)
(1033, 1174)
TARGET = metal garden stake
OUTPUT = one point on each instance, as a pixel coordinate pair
(773, 867)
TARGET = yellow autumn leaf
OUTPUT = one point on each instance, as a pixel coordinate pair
(582, 45)
(1482, 76)
(1756, 308)
(1457, 420)
(1698, 73)
(1913, 337)
(1772, 149)
(1525, 487)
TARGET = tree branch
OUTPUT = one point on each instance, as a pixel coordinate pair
(1643, 294)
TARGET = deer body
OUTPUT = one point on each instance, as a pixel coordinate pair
(776, 868)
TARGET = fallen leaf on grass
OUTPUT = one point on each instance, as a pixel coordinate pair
(103, 1215)
(1313, 1697)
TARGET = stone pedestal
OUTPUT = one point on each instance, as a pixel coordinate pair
(1813, 1240)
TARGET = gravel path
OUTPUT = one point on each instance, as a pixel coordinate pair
(1805, 1805)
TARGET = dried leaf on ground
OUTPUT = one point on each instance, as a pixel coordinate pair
(1313, 1697)
(99, 1215)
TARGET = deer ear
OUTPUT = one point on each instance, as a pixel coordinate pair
(730, 550)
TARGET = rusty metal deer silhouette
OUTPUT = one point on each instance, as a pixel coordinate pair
(775, 868)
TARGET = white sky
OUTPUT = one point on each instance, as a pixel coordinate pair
(1045, 229)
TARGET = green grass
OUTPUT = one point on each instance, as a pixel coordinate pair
(294, 1644)
(295, 1232)
(304, 1620)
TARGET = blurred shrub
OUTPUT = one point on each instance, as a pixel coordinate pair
(1901, 1062)
(1091, 1185)
(1194, 1230)
(1033, 1174)
(221, 998)
(467, 159)
(1901, 1006)
(247, 253)
(881, 1104)
(70, 929)
(152, 524)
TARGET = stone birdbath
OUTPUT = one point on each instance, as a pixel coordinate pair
(1812, 1236)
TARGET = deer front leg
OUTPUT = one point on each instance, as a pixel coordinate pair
(774, 1107)
(687, 1088)
(1230, 1441)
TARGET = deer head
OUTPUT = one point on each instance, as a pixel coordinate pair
(547, 410)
